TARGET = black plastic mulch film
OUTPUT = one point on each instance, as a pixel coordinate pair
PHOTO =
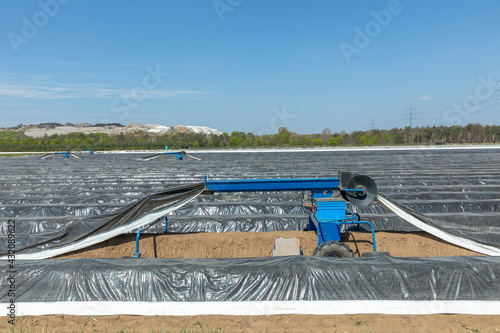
(57, 201)
(256, 279)
(92, 225)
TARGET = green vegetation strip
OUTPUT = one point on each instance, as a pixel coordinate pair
(17, 141)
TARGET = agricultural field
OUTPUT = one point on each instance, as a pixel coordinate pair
(457, 188)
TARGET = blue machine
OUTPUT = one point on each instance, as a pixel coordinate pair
(65, 154)
(329, 211)
(181, 155)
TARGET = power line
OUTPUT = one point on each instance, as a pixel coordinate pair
(411, 115)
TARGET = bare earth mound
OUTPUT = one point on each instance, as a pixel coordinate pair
(260, 244)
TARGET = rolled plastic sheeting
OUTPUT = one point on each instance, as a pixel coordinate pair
(97, 229)
(260, 286)
(193, 157)
(450, 234)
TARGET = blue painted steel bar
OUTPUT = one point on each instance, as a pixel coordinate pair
(179, 154)
(64, 153)
(137, 254)
(351, 189)
(282, 184)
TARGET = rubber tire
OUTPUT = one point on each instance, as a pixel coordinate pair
(375, 254)
(333, 249)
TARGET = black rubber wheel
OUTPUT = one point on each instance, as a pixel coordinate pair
(375, 254)
(333, 249)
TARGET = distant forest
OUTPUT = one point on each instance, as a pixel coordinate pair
(15, 140)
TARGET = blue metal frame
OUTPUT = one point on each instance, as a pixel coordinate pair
(64, 153)
(329, 230)
(328, 214)
(328, 217)
(179, 154)
(137, 254)
(319, 186)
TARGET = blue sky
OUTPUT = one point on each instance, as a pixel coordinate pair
(251, 65)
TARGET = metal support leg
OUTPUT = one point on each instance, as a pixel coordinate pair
(371, 226)
(137, 254)
(166, 224)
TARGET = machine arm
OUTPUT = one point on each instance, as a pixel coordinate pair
(361, 192)
(280, 184)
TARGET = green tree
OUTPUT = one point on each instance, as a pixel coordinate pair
(237, 139)
(336, 141)
(374, 140)
(398, 139)
(317, 142)
(365, 140)
(386, 139)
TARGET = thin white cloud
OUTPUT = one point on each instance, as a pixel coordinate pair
(425, 98)
(91, 64)
(50, 91)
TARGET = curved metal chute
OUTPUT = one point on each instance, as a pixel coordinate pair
(367, 194)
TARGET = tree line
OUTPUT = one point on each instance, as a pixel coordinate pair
(15, 140)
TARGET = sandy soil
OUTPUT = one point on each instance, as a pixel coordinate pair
(242, 244)
(260, 244)
(279, 323)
